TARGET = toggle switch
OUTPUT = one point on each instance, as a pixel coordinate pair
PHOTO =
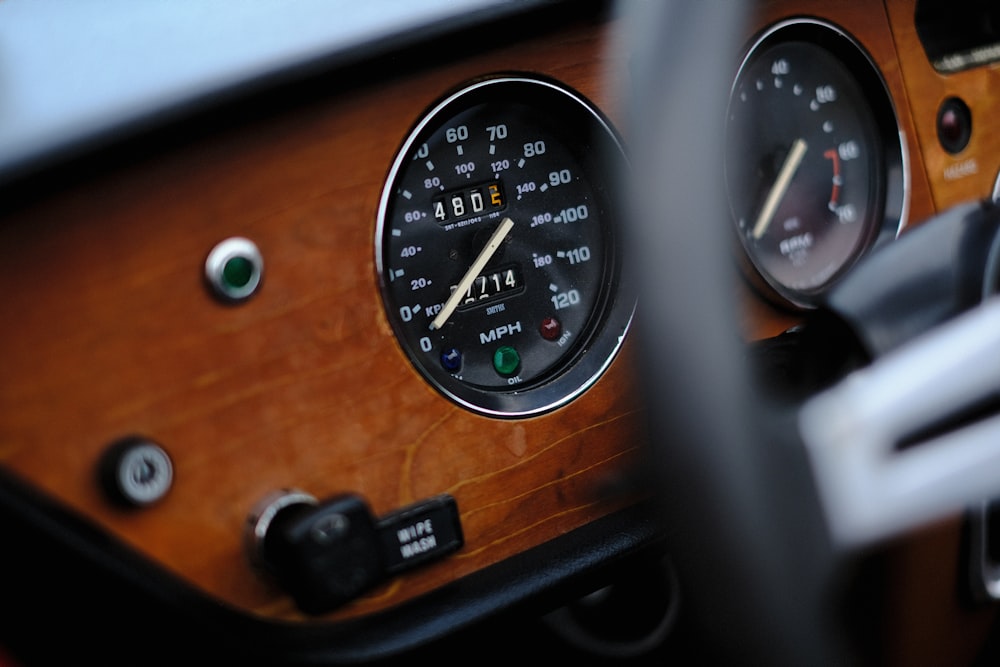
(325, 554)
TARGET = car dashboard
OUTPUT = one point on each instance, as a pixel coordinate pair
(376, 297)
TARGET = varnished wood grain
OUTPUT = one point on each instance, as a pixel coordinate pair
(113, 333)
(931, 622)
(971, 174)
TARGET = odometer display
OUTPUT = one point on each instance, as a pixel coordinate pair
(492, 286)
(496, 247)
(468, 202)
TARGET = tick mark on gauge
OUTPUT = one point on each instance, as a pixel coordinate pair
(545, 186)
(407, 194)
(430, 165)
(459, 149)
(493, 149)
(553, 287)
(397, 232)
(520, 163)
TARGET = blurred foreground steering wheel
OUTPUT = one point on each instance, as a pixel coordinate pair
(743, 525)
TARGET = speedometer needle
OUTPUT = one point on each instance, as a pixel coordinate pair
(463, 285)
(780, 187)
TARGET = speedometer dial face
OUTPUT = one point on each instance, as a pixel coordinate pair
(496, 246)
(814, 163)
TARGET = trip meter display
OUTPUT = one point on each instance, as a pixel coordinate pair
(496, 246)
(814, 164)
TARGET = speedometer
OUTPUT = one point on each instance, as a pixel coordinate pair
(496, 246)
(815, 164)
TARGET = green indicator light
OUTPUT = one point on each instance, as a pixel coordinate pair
(237, 272)
(233, 269)
(506, 361)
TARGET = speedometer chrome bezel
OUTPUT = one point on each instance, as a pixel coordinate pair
(596, 348)
(892, 200)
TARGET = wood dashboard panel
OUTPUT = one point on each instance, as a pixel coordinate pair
(971, 173)
(114, 333)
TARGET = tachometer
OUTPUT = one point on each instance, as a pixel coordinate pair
(496, 246)
(814, 164)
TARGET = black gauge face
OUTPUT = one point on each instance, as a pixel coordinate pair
(814, 160)
(496, 246)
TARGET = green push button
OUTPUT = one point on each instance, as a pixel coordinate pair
(506, 361)
(238, 272)
(234, 268)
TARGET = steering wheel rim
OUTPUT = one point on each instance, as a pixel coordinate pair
(740, 511)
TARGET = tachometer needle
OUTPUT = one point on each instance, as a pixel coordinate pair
(463, 285)
(780, 187)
